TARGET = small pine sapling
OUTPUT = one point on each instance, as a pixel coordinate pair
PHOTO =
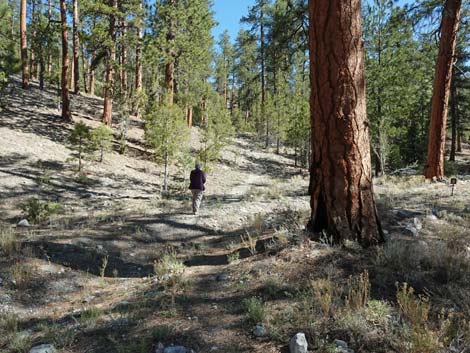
(80, 141)
(102, 140)
(166, 133)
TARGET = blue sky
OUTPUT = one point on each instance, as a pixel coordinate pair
(229, 12)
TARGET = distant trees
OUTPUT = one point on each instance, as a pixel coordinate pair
(441, 89)
(342, 199)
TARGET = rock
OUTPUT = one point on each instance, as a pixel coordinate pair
(24, 223)
(431, 217)
(342, 347)
(43, 348)
(298, 344)
(411, 230)
(159, 348)
(259, 331)
(341, 344)
(417, 223)
(404, 214)
(222, 277)
(175, 349)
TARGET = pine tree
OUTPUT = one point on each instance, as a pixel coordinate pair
(166, 132)
(342, 199)
(441, 90)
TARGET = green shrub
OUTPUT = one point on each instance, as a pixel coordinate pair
(37, 211)
(255, 310)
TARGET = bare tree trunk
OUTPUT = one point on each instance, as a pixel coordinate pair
(76, 48)
(49, 56)
(84, 69)
(342, 199)
(441, 90)
(124, 85)
(189, 116)
(109, 81)
(72, 70)
(32, 60)
(66, 114)
(24, 46)
(92, 74)
(263, 72)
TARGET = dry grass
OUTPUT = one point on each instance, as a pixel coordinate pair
(9, 244)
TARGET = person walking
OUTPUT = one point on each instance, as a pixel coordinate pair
(197, 180)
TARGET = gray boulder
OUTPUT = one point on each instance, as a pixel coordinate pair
(259, 331)
(175, 349)
(43, 348)
(23, 223)
(298, 343)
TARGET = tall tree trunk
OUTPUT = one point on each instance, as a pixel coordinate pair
(441, 90)
(92, 74)
(453, 115)
(66, 114)
(49, 56)
(109, 81)
(84, 69)
(342, 199)
(189, 116)
(24, 46)
(32, 60)
(263, 71)
(72, 70)
(124, 85)
(138, 50)
(76, 49)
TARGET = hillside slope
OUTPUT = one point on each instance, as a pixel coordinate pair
(118, 268)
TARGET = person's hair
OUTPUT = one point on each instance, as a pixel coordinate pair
(198, 166)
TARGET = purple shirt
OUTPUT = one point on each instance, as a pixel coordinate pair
(198, 179)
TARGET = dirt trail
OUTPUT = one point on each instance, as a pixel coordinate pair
(118, 219)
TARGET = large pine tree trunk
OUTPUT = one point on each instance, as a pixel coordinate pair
(66, 114)
(24, 45)
(441, 90)
(109, 80)
(342, 199)
(76, 49)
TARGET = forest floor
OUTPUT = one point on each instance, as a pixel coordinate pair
(118, 268)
